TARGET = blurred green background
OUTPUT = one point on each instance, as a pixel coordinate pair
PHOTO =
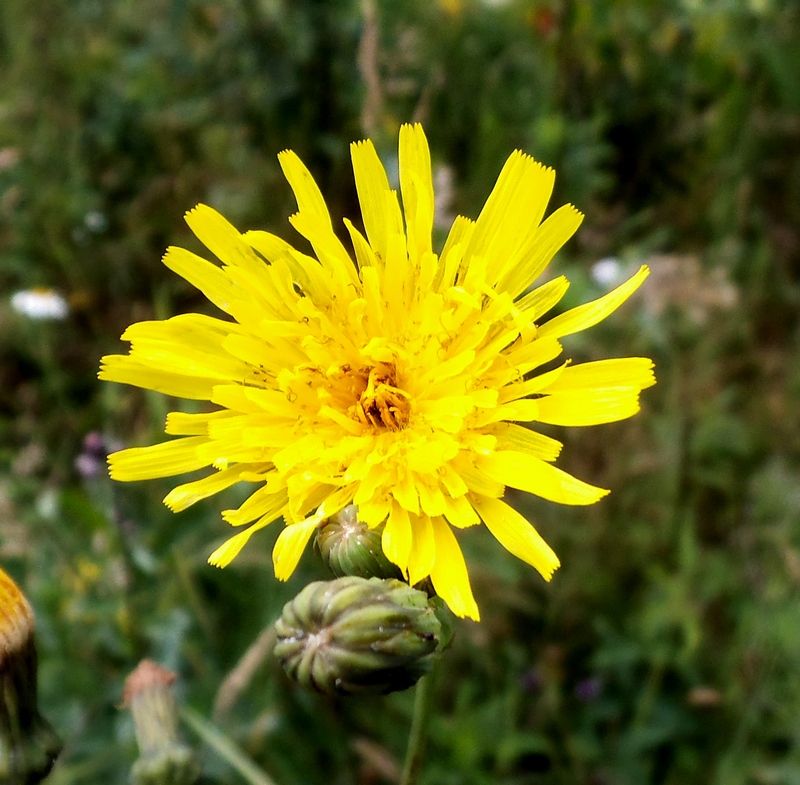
(667, 648)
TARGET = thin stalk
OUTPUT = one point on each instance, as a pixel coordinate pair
(226, 748)
(418, 736)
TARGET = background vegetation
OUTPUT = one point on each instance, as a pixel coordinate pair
(667, 648)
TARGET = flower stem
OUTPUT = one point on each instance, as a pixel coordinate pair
(418, 736)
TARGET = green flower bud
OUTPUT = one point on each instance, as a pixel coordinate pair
(350, 547)
(355, 635)
(28, 744)
(163, 758)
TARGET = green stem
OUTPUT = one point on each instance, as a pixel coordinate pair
(226, 748)
(418, 736)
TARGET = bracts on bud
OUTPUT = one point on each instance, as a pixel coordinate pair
(163, 758)
(350, 547)
(28, 744)
(354, 635)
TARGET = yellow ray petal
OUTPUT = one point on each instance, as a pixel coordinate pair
(588, 407)
(379, 207)
(526, 473)
(375, 477)
(269, 245)
(374, 512)
(188, 327)
(476, 479)
(423, 549)
(328, 248)
(448, 369)
(517, 535)
(234, 397)
(189, 493)
(416, 186)
(229, 550)
(449, 573)
(124, 369)
(398, 282)
(524, 410)
(451, 480)
(459, 512)
(538, 302)
(405, 491)
(309, 198)
(306, 271)
(183, 424)
(273, 401)
(513, 392)
(511, 213)
(370, 277)
(364, 254)
(397, 537)
(268, 292)
(521, 439)
(299, 452)
(252, 431)
(190, 344)
(589, 314)
(306, 492)
(543, 245)
(529, 356)
(622, 372)
(269, 357)
(337, 501)
(205, 276)
(429, 456)
(453, 253)
(160, 460)
(264, 503)
(222, 238)
(290, 545)
(431, 498)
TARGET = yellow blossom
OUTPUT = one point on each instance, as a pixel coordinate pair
(395, 382)
(16, 620)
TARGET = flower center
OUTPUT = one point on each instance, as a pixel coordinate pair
(382, 404)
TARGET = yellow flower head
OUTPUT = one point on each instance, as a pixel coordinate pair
(16, 619)
(395, 383)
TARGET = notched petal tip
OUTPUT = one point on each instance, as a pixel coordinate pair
(530, 160)
(114, 470)
(548, 576)
(467, 611)
(579, 214)
(228, 551)
(171, 249)
(106, 366)
(196, 211)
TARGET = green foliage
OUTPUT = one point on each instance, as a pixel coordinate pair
(666, 648)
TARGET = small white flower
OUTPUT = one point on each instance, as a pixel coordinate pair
(40, 304)
(607, 271)
(48, 504)
(95, 221)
